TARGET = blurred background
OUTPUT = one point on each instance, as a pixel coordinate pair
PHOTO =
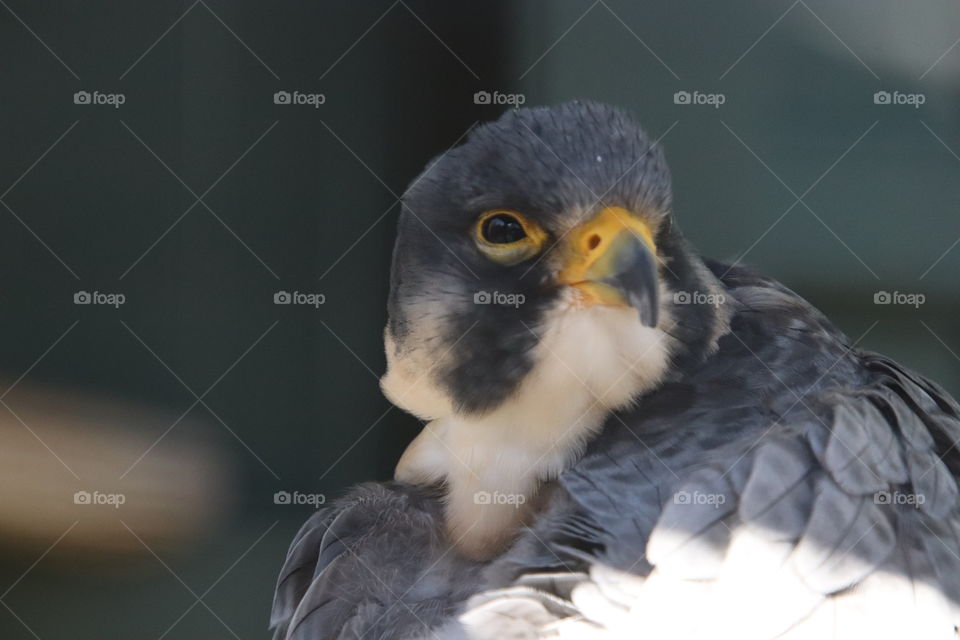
(197, 206)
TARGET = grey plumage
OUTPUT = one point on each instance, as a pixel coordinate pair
(784, 475)
(794, 481)
(346, 574)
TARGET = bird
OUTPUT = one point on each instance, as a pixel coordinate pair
(622, 438)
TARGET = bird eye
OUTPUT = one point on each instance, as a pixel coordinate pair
(508, 237)
(502, 228)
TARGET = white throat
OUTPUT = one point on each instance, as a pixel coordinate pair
(588, 363)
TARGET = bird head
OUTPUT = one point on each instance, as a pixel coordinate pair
(541, 249)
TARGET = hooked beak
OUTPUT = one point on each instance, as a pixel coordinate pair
(611, 260)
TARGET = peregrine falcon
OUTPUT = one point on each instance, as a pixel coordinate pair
(623, 439)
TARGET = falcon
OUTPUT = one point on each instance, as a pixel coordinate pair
(623, 439)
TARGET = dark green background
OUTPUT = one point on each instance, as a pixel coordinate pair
(395, 96)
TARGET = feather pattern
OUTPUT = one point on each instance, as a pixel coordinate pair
(789, 485)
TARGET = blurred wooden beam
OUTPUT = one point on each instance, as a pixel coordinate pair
(101, 463)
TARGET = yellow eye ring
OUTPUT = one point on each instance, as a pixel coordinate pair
(508, 237)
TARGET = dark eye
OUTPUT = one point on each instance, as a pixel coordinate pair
(508, 237)
(503, 228)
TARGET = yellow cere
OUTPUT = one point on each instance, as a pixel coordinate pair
(589, 252)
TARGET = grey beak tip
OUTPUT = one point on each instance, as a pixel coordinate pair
(646, 306)
(649, 319)
(637, 279)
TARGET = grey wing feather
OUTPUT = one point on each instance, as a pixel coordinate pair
(779, 491)
(372, 565)
(817, 514)
(817, 537)
(846, 539)
(298, 569)
(814, 496)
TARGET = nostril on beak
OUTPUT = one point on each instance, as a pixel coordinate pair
(593, 242)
